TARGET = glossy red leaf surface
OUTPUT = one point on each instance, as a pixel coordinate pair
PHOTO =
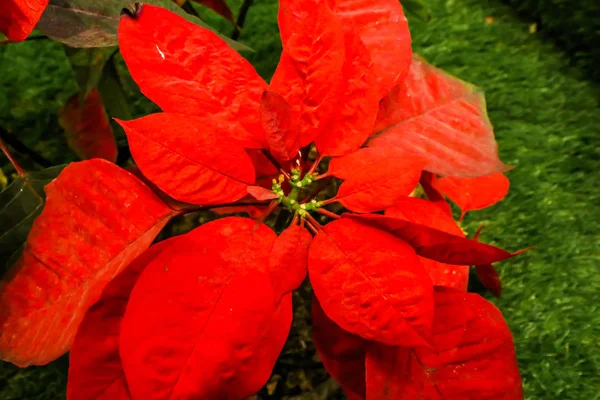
(435, 244)
(490, 278)
(95, 368)
(442, 119)
(19, 17)
(203, 321)
(371, 284)
(289, 258)
(308, 74)
(430, 214)
(97, 218)
(475, 193)
(342, 353)
(260, 193)
(189, 70)
(282, 131)
(383, 29)
(218, 6)
(87, 128)
(473, 357)
(370, 186)
(191, 159)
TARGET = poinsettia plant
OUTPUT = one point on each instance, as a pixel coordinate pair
(329, 153)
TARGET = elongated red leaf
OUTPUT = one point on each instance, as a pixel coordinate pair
(18, 17)
(97, 218)
(361, 274)
(430, 214)
(203, 321)
(260, 193)
(383, 29)
(342, 353)
(289, 258)
(442, 119)
(282, 132)
(95, 368)
(191, 159)
(489, 277)
(475, 193)
(218, 6)
(190, 70)
(308, 74)
(370, 187)
(472, 357)
(87, 128)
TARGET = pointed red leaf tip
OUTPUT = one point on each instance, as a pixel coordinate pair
(375, 178)
(260, 193)
(282, 131)
(288, 260)
(203, 321)
(87, 128)
(430, 214)
(190, 70)
(429, 183)
(361, 274)
(97, 218)
(433, 243)
(19, 17)
(475, 193)
(383, 29)
(342, 353)
(490, 278)
(473, 357)
(95, 368)
(442, 119)
(189, 158)
(308, 74)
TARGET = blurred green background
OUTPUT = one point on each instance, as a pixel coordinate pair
(538, 63)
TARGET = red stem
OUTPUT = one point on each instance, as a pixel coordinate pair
(14, 162)
(315, 165)
(328, 213)
(313, 222)
(310, 227)
(272, 206)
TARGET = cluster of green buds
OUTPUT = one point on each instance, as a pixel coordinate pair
(291, 200)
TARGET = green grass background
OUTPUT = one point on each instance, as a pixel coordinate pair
(547, 124)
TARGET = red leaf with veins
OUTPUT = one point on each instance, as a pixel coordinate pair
(430, 214)
(19, 17)
(289, 256)
(95, 368)
(189, 70)
(368, 186)
(203, 321)
(97, 218)
(342, 353)
(189, 158)
(308, 74)
(472, 357)
(490, 278)
(475, 193)
(260, 193)
(282, 132)
(440, 118)
(383, 29)
(434, 243)
(360, 275)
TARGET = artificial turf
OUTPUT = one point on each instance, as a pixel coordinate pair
(547, 124)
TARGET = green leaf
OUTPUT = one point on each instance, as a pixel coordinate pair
(87, 65)
(94, 23)
(417, 8)
(113, 94)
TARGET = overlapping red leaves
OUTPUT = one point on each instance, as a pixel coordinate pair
(205, 315)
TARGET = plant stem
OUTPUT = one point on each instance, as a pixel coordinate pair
(272, 159)
(20, 147)
(241, 19)
(328, 213)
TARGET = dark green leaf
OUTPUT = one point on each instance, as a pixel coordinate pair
(87, 65)
(113, 94)
(417, 8)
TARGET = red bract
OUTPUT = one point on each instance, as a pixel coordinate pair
(19, 17)
(210, 313)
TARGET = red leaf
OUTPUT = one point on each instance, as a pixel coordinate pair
(87, 128)
(254, 212)
(360, 275)
(202, 321)
(95, 368)
(383, 29)
(342, 353)
(19, 17)
(473, 357)
(368, 186)
(489, 277)
(308, 72)
(475, 193)
(260, 193)
(281, 128)
(289, 256)
(442, 119)
(435, 244)
(189, 70)
(430, 186)
(430, 214)
(97, 219)
(189, 158)
(218, 6)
